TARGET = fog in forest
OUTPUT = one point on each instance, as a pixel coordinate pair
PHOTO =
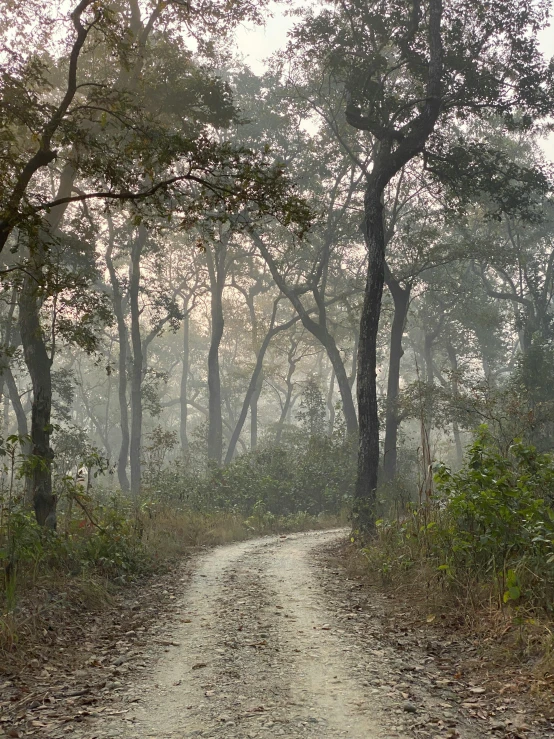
(269, 268)
(278, 270)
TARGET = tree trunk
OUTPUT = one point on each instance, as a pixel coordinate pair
(39, 366)
(429, 380)
(389, 159)
(401, 298)
(455, 393)
(251, 393)
(354, 367)
(123, 456)
(123, 337)
(365, 493)
(22, 429)
(288, 398)
(17, 405)
(106, 424)
(330, 403)
(254, 413)
(6, 415)
(253, 390)
(343, 383)
(184, 382)
(137, 368)
(216, 269)
(317, 329)
(215, 424)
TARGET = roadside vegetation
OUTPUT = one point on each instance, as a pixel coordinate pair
(240, 298)
(105, 539)
(475, 544)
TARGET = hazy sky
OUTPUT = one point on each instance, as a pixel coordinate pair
(259, 43)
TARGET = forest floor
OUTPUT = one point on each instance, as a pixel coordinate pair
(261, 639)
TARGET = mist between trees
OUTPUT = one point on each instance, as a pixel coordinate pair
(272, 296)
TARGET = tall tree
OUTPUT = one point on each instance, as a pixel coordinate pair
(406, 68)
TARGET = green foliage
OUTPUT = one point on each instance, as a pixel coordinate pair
(490, 525)
(312, 409)
(533, 383)
(159, 444)
(498, 510)
(108, 547)
(314, 475)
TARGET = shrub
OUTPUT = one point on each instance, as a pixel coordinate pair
(490, 525)
(497, 518)
(315, 476)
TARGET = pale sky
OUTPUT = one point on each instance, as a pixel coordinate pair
(258, 43)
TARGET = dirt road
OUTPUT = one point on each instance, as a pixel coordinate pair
(262, 648)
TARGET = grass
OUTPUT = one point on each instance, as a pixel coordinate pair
(80, 570)
(515, 641)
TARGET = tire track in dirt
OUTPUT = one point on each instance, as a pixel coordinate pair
(259, 651)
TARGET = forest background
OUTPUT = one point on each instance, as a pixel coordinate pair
(189, 245)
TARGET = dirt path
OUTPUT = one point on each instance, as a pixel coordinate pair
(262, 648)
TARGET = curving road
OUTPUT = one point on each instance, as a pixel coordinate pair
(260, 650)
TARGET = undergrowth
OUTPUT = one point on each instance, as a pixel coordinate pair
(108, 539)
(479, 548)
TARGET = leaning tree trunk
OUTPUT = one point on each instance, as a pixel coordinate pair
(17, 405)
(342, 381)
(251, 393)
(22, 429)
(137, 364)
(401, 298)
(317, 329)
(11, 396)
(253, 390)
(39, 367)
(288, 399)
